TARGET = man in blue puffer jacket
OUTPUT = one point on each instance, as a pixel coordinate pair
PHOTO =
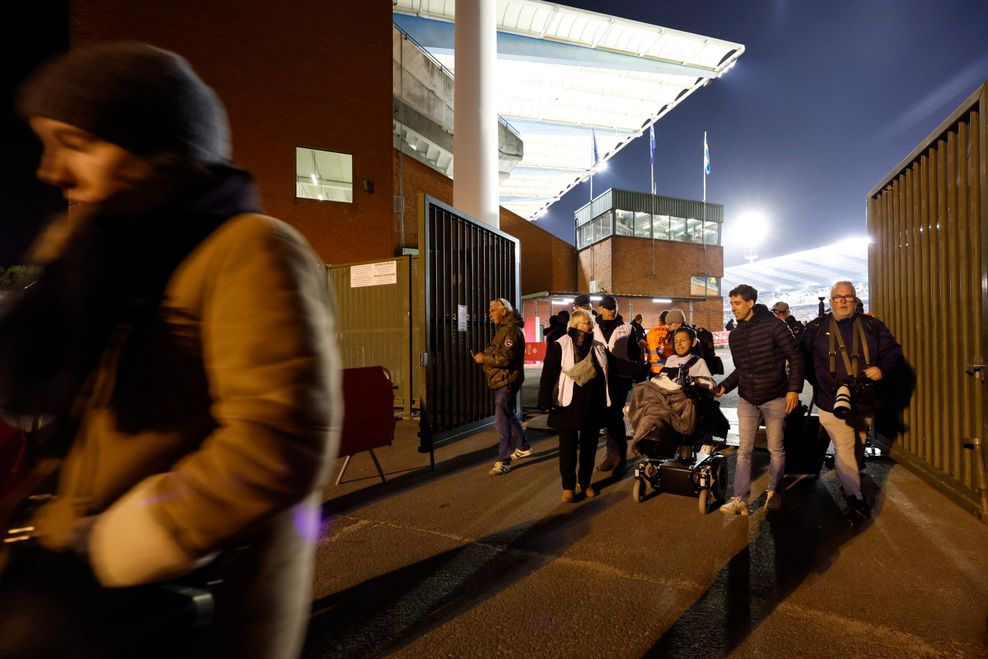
(761, 347)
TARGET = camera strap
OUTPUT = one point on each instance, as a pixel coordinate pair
(858, 342)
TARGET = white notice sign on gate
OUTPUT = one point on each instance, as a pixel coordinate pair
(374, 274)
(461, 317)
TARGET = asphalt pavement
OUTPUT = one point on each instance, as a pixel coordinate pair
(457, 563)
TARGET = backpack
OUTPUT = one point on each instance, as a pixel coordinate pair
(705, 349)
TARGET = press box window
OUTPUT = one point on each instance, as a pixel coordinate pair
(701, 285)
(323, 175)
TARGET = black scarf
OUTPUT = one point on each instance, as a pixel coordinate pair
(607, 327)
(582, 342)
(111, 275)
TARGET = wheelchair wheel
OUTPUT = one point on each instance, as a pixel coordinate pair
(638, 490)
(719, 487)
(703, 502)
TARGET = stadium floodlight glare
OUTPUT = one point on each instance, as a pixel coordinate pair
(853, 243)
(596, 298)
(662, 300)
(751, 228)
(602, 166)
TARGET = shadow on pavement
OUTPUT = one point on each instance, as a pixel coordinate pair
(803, 538)
(385, 613)
(408, 479)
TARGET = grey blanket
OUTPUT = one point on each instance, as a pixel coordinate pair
(652, 408)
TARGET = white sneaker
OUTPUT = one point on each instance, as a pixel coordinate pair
(736, 506)
(773, 502)
(521, 453)
(499, 468)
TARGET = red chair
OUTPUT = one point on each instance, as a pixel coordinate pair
(368, 414)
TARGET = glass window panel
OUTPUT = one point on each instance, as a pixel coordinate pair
(694, 233)
(712, 232)
(698, 285)
(323, 175)
(677, 229)
(660, 227)
(643, 224)
(702, 285)
(624, 223)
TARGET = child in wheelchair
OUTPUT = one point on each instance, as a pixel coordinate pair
(676, 422)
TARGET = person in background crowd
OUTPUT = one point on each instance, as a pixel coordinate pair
(636, 325)
(583, 302)
(655, 342)
(184, 342)
(847, 348)
(675, 318)
(504, 367)
(548, 329)
(781, 310)
(618, 337)
(562, 325)
(768, 372)
(573, 389)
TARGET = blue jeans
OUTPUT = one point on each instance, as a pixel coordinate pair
(774, 413)
(506, 422)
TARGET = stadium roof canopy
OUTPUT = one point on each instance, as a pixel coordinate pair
(565, 75)
(800, 277)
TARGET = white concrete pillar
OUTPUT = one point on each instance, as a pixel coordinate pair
(475, 155)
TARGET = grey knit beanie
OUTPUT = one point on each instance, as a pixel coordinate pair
(675, 316)
(144, 99)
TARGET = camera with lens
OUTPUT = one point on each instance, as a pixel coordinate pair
(850, 394)
(843, 404)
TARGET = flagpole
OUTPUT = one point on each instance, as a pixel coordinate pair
(651, 161)
(593, 162)
(703, 227)
(705, 162)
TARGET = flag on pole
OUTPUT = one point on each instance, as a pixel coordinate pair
(593, 136)
(651, 143)
(706, 155)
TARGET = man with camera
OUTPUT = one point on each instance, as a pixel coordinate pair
(848, 355)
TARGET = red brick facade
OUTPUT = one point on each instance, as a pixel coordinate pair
(623, 266)
(289, 80)
(289, 77)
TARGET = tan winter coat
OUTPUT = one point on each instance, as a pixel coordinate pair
(212, 430)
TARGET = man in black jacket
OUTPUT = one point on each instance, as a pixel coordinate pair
(781, 310)
(845, 347)
(761, 346)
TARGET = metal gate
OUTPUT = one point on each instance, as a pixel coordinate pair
(463, 266)
(927, 272)
(375, 325)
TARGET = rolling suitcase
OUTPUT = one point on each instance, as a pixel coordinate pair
(805, 441)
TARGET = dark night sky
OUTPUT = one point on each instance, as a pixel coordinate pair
(827, 99)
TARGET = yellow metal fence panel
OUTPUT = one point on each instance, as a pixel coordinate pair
(928, 279)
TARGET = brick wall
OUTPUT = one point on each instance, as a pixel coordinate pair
(595, 263)
(623, 265)
(288, 79)
(312, 75)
